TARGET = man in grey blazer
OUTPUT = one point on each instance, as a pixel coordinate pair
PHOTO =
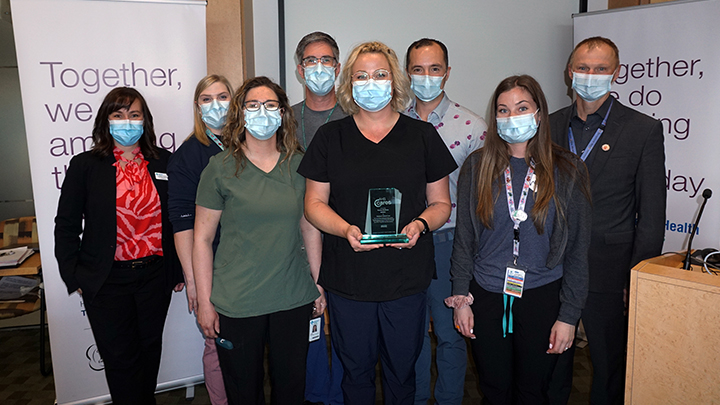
(623, 150)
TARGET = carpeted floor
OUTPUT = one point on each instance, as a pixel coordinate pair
(22, 384)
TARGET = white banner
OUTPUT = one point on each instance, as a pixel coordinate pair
(70, 54)
(670, 69)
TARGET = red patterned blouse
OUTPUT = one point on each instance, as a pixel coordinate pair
(139, 225)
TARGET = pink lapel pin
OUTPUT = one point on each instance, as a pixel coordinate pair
(605, 147)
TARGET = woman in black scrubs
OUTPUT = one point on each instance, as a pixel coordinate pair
(376, 292)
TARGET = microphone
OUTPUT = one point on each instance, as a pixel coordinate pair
(707, 193)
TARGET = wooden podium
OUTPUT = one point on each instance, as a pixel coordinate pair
(673, 334)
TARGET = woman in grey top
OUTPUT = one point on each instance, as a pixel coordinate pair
(520, 251)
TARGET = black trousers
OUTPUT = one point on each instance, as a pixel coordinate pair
(515, 369)
(127, 317)
(363, 330)
(286, 334)
(606, 328)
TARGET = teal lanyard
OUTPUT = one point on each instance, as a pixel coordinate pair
(302, 121)
(214, 139)
(507, 321)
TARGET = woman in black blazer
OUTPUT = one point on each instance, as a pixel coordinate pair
(122, 257)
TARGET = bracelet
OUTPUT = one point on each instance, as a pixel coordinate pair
(459, 301)
(425, 224)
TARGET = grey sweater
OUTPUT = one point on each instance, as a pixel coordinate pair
(569, 242)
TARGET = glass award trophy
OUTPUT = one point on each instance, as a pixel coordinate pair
(383, 216)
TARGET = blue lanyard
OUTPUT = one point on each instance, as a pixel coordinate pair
(214, 139)
(593, 141)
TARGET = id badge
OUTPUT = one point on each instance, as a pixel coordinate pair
(533, 184)
(514, 281)
(315, 329)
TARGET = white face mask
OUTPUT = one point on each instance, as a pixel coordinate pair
(262, 124)
(126, 132)
(591, 87)
(373, 95)
(320, 79)
(518, 128)
(213, 114)
(426, 87)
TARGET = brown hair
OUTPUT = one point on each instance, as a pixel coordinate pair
(234, 133)
(117, 99)
(421, 43)
(198, 124)
(540, 150)
(400, 82)
(313, 37)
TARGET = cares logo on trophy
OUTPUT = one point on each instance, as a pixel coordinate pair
(381, 201)
(383, 216)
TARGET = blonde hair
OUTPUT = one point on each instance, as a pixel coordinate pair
(199, 125)
(400, 82)
(234, 133)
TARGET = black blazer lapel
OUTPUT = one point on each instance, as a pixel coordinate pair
(157, 170)
(610, 137)
(563, 139)
(107, 188)
(559, 123)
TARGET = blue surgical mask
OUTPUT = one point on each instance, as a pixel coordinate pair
(591, 87)
(213, 114)
(518, 128)
(320, 79)
(126, 132)
(262, 124)
(373, 95)
(426, 87)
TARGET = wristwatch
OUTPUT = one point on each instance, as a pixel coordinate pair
(425, 224)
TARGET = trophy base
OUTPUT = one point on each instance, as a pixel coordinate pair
(378, 239)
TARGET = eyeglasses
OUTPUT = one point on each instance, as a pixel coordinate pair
(254, 105)
(311, 61)
(361, 77)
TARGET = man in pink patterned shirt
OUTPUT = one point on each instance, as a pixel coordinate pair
(463, 132)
